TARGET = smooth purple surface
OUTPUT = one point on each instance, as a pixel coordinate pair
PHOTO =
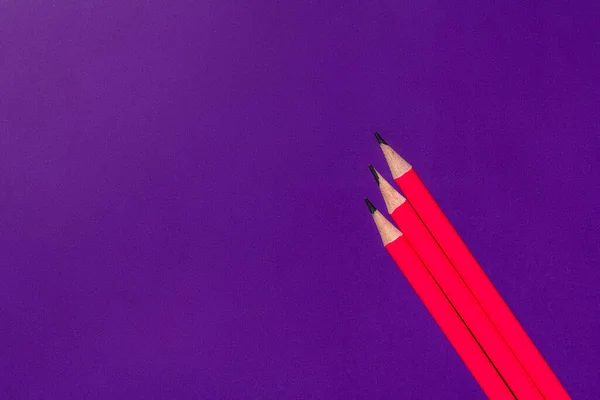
(181, 211)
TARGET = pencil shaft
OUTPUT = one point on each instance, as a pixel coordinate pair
(448, 320)
(481, 286)
(465, 303)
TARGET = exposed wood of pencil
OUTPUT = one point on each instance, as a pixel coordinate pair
(398, 165)
(471, 272)
(392, 198)
(441, 309)
(460, 296)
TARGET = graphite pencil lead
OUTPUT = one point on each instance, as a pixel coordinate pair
(372, 208)
(380, 139)
(375, 174)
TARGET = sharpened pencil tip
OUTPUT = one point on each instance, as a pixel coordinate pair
(371, 206)
(380, 139)
(375, 174)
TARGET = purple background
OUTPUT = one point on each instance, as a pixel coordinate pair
(181, 209)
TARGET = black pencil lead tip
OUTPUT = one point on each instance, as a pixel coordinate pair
(371, 206)
(375, 174)
(380, 139)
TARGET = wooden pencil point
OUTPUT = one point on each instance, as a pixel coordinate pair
(398, 165)
(392, 198)
(387, 230)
